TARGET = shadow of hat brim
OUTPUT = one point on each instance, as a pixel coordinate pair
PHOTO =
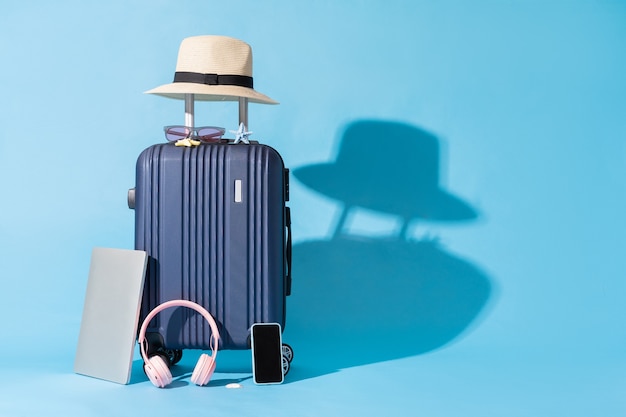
(404, 196)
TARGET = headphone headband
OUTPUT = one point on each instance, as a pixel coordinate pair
(215, 334)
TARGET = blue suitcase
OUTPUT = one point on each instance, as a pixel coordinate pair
(215, 225)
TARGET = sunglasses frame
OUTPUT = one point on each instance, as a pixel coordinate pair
(194, 133)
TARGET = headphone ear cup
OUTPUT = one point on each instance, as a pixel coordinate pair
(157, 371)
(204, 370)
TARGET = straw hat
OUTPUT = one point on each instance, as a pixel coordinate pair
(213, 68)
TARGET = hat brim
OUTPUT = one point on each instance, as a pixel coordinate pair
(204, 92)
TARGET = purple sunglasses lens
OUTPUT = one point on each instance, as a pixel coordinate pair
(176, 133)
(209, 134)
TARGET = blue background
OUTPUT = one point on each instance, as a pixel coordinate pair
(518, 109)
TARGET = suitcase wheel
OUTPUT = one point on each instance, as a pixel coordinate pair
(287, 352)
(286, 365)
(155, 346)
(174, 355)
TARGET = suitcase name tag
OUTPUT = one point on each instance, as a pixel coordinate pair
(238, 193)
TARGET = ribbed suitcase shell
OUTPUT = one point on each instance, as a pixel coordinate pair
(209, 243)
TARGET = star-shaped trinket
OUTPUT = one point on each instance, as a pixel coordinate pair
(187, 142)
(241, 135)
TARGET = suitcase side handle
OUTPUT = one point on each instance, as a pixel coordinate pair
(286, 184)
(288, 251)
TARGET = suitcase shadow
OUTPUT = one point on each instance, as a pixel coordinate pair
(360, 300)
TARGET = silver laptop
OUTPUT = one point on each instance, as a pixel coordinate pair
(108, 328)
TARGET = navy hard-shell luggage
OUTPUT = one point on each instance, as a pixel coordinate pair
(214, 223)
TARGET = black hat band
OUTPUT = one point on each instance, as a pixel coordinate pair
(213, 79)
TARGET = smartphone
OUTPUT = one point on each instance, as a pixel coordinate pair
(267, 356)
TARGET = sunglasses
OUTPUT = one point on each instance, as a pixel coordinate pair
(203, 134)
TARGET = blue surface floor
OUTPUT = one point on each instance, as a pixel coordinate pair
(450, 382)
(372, 351)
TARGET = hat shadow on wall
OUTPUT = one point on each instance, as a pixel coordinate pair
(359, 299)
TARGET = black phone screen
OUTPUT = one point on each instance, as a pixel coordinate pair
(267, 353)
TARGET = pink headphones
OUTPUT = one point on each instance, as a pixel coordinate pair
(155, 366)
